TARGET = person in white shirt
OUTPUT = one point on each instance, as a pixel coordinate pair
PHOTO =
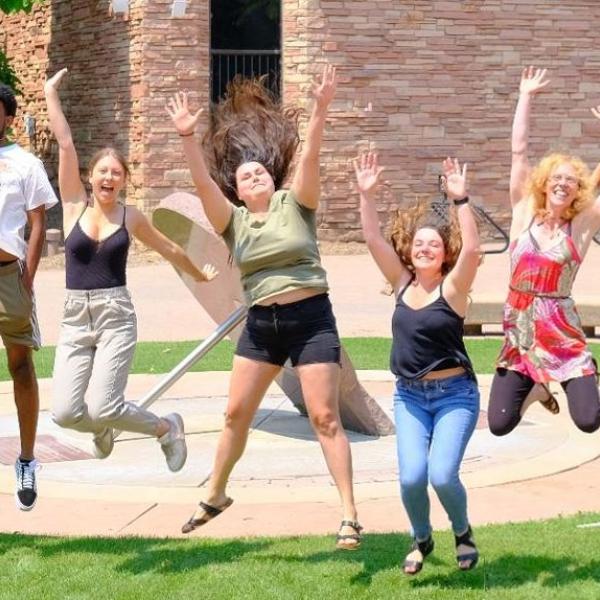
(25, 195)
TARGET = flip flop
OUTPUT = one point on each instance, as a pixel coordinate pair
(210, 512)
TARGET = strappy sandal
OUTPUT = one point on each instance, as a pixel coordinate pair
(411, 566)
(349, 541)
(472, 558)
(550, 403)
(210, 512)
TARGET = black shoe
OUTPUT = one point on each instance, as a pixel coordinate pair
(412, 567)
(468, 561)
(26, 494)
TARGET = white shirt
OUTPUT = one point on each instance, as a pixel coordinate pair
(24, 186)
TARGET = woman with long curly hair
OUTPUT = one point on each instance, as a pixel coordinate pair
(554, 219)
(430, 263)
(271, 234)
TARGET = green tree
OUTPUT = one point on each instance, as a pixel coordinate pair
(7, 73)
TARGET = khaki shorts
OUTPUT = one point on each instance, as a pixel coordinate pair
(18, 321)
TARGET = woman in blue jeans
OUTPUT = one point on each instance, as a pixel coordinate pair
(431, 264)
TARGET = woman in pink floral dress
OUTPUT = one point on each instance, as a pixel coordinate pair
(553, 221)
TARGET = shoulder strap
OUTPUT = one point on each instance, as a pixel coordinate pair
(401, 292)
(124, 214)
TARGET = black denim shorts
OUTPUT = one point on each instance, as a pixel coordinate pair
(303, 331)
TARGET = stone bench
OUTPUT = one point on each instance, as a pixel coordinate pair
(488, 310)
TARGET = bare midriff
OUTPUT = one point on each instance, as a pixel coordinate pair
(291, 296)
(6, 256)
(443, 373)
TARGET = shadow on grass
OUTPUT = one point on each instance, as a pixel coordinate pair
(510, 571)
(139, 555)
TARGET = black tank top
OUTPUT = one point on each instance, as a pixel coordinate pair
(427, 339)
(92, 264)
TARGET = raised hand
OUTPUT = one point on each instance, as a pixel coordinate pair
(54, 82)
(323, 89)
(185, 122)
(367, 172)
(596, 111)
(533, 80)
(209, 272)
(455, 178)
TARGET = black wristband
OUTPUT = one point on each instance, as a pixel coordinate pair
(459, 201)
(187, 134)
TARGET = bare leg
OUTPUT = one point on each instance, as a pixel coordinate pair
(20, 365)
(250, 380)
(320, 388)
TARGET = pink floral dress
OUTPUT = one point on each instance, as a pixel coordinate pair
(543, 335)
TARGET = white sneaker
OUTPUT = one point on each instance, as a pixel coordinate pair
(173, 442)
(104, 443)
(26, 493)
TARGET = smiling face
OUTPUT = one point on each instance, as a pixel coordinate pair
(107, 179)
(254, 184)
(427, 251)
(561, 187)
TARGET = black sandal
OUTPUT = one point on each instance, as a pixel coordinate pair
(550, 403)
(210, 512)
(425, 548)
(349, 541)
(466, 539)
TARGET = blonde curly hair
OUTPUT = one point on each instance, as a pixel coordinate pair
(536, 184)
(408, 221)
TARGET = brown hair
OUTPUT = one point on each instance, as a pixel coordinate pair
(249, 125)
(108, 151)
(408, 221)
(538, 179)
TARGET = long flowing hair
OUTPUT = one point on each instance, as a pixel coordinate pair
(250, 125)
(407, 221)
(538, 179)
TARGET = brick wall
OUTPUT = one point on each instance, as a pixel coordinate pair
(441, 77)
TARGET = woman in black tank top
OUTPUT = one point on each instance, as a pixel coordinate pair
(98, 332)
(436, 401)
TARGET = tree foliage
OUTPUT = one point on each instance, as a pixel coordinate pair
(7, 73)
(13, 6)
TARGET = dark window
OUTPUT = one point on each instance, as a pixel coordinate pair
(245, 40)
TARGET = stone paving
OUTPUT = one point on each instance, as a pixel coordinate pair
(281, 486)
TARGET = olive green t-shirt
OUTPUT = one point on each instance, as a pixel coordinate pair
(277, 254)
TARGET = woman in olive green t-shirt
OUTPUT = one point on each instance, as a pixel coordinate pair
(272, 238)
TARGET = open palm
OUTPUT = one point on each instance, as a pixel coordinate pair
(185, 122)
(533, 80)
(456, 178)
(367, 172)
(323, 90)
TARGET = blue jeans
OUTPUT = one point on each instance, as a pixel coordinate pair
(434, 422)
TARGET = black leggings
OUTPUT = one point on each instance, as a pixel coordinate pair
(510, 388)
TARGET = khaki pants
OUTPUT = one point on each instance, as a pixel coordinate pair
(18, 322)
(94, 353)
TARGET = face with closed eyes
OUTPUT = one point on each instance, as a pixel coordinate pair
(254, 184)
(427, 251)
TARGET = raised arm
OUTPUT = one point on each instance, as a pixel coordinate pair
(461, 277)
(532, 81)
(306, 183)
(72, 191)
(217, 207)
(367, 175)
(144, 231)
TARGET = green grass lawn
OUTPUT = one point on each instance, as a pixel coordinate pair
(531, 561)
(366, 353)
